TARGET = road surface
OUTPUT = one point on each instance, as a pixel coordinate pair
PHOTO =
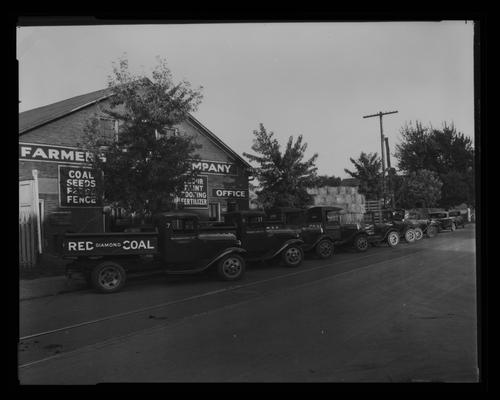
(404, 314)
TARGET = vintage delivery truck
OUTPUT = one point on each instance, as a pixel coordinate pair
(262, 239)
(321, 228)
(175, 243)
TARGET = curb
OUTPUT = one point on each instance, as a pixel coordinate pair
(51, 286)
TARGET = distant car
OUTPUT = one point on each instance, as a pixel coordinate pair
(447, 219)
(395, 218)
(381, 231)
(460, 219)
(421, 226)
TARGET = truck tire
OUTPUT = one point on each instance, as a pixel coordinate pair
(231, 267)
(108, 277)
(292, 256)
(432, 231)
(324, 249)
(419, 234)
(393, 238)
(410, 236)
(361, 243)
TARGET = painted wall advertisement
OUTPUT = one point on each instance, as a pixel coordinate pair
(195, 193)
(51, 153)
(79, 187)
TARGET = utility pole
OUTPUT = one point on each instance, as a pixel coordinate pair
(380, 115)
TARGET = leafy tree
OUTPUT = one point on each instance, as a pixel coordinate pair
(325, 180)
(421, 189)
(368, 173)
(444, 151)
(144, 166)
(283, 176)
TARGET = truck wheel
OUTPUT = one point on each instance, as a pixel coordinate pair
(108, 277)
(324, 249)
(231, 267)
(361, 243)
(410, 236)
(419, 233)
(393, 239)
(292, 256)
(432, 231)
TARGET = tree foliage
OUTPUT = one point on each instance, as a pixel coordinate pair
(368, 173)
(325, 180)
(448, 153)
(145, 165)
(420, 189)
(283, 176)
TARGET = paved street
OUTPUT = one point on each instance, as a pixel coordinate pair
(387, 315)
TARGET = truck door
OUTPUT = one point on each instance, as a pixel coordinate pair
(183, 247)
(256, 238)
(332, 224)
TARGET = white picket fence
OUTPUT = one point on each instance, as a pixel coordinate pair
(27, 239)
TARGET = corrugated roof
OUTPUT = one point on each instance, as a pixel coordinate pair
(31, 119)
(36, 117)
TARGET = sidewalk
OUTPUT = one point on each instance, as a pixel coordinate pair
(47, 279)
(50, 286)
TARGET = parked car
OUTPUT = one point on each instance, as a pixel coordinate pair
(381, 230)
(422, 226)
(445, 220)
(425, 228)
(460, 219)
(177, 245)
(322, 229)
(263, 239)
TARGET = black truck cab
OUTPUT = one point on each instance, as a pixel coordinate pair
(265, 239)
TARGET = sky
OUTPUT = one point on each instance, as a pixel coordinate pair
(317, 80)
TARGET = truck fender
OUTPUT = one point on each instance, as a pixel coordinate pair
(389, 231)
(226, 252)
(288, 243)
(322, 237)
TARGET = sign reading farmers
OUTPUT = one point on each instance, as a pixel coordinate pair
(214, 167)
(79, 187)
(51, 153)
(195, 193)
(233, 193)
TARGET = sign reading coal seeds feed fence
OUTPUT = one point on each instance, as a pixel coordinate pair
(79, 187)
(195, 193)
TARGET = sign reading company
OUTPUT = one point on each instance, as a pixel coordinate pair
(195, 194)
(214, 167)
(79, 187)
(51, 153)
(234, 193)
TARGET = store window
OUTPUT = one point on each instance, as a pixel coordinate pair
(232, 206)
(110, 126)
